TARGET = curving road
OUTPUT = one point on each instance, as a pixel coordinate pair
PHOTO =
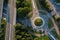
(35, 12)
(46, 28)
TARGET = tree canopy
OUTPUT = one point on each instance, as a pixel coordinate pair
(2, 29)
(23, 8)
(21, 33)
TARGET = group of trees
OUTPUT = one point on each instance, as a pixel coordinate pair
(21, 33)
(2, 29)
(23, 8)
(45, 5)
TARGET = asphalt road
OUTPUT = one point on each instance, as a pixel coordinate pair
(54, 12)
(35, 12)
(10, 30)
(1, 9)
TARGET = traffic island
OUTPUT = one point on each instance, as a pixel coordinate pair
(38, 23)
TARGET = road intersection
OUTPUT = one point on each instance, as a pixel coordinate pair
(11, 19)
(35, 15)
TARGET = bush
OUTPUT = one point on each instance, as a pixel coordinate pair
(55, 34)
(38, 22)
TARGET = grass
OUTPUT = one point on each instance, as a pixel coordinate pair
(37, 39)
(55, 34)
(37, 32)
(50, 24)
(44, 38)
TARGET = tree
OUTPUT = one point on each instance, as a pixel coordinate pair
(22, 33)
(2, 29)
(18, 26)
(22, 12)
(23, 8)
(19, 3)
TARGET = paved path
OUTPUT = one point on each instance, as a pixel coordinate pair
(55, 12)
(7, 32)
(10, 25)
(55, 26)
(35, 12)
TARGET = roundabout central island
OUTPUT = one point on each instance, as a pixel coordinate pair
(38, 22)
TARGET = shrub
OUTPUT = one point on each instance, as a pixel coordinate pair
(38, 22)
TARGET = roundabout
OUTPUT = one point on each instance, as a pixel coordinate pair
(38, 22)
